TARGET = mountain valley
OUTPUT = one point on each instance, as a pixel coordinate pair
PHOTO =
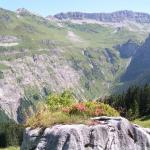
(92, 55)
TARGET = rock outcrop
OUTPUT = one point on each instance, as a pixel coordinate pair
(128, 49)
(114, 17)
(109, 133)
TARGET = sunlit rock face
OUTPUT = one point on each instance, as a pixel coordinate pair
(109, 133)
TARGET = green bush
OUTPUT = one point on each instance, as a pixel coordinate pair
(57, 101)
(64, 109)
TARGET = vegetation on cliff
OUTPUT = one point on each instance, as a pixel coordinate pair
(143, 121)
(65, 109)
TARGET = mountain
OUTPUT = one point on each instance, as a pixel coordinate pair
(42, 55)
(114, 17)
(138, 71)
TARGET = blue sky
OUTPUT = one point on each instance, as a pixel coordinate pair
(46, 7)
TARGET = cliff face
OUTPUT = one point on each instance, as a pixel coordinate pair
(114, 17)
(108, 134)
(139, 64)
(128, 49)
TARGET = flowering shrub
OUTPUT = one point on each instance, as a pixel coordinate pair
(77, 108)
(66, 110)
(90, 109)
(63, 109)
(98, 112)
(94, 109)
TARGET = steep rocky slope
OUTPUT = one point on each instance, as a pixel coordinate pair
(140, 63)
(138, 71)
(128, 49)
(40, 55)
(108, 134)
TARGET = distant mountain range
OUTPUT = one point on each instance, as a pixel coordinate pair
(40, 55)
(114, 17)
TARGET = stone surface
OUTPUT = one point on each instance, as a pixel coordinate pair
(108, 134)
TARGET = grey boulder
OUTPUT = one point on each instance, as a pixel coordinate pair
(108, 133)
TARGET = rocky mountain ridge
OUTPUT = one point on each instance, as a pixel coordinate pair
(114, 17)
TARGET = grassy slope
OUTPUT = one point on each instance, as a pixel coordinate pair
(102, 37)
(30, 28)
(10, 148)
(144, 121)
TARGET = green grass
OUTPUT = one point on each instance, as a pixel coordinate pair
(144, 122)
(47, 118)
(10, 148)
(3, 66)
(30, 30)
(100, 36)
